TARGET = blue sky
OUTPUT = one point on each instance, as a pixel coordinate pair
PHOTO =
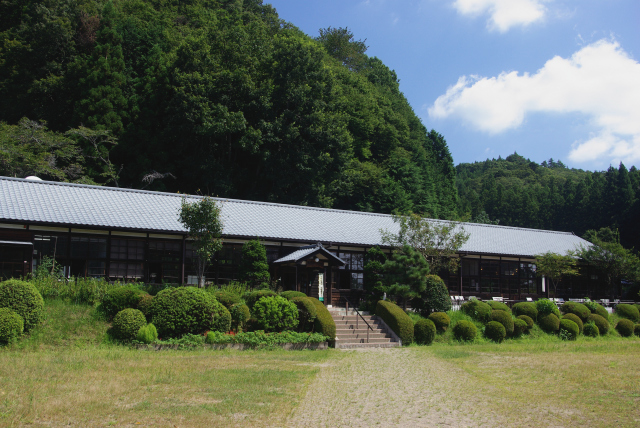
(546, 78)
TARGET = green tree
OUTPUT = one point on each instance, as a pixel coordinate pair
(555, 266)
(610, 258)
(405, 275)
(341, 44)
(437, 241)
(254, 268)
(204, 225)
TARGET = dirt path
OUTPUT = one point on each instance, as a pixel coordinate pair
(396, 387)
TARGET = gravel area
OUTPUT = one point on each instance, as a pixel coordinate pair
(397, 387)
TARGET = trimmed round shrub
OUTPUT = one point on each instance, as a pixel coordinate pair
(576, 319)
(424, 331)
(498, 306)
(601, 323)
(591, 329)
(290, 294)
(251, 297)
(24, 299)
(144, 305)
(396, 319)
(11, 326)
(636, 330)
(525, 308)
(435, 297)
(119, 298)
(602, 311)
(465, 331)
(324, 321)
(503, 318)
(495, 331)
(519, 327)
(549, 323)
(546, 306)
(147, 334)
(625, 327)
(477, 310)
(240, 314)
(306, 313)
(526, 319)
(578, 309)
(441, 321)
(181, 310)
(275, 313)
(127, 323)
(597, 308)
(226, 298)
(629, 312)
(568, 329)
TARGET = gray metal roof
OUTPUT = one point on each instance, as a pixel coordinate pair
(307, 251)
(107, 207)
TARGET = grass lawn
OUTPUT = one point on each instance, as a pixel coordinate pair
(67, 372)
(591, 382)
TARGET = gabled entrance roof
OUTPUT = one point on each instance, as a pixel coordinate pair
(309, 252)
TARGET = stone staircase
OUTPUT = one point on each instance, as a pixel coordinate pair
(348, 336)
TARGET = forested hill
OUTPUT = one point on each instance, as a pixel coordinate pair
(220, 97)
(519, 192)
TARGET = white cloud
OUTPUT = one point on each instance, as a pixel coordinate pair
(504, 14)
(600, 80)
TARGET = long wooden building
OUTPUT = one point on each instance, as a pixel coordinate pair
(135, 235)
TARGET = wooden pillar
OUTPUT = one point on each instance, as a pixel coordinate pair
(107, 263)
(184, 253)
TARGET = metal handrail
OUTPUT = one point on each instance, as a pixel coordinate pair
(357, 318)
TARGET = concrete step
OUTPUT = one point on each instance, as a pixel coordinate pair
(341, 311)
(367, 345)
(352, 317)
(362, 329)
(363, 340)
(361, 333)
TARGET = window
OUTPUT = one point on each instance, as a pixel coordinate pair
(127, 249)
(88, 247)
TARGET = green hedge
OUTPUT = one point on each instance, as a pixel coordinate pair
(441, 321)
(323, 323)
(306, 313)
(261, 339)
(24, 299)
(251, 297)
(118, 298)
(424, 331)
(290, 294)
(181, 310)
(498, 306)
(127, 323)
(629, 312)
(396, 319)
(144, 305)
(465, 331)
(546, 306)
(636, 330)
(11, 326)
(526, 319)
(576, 319)
(600, 322)
(503, 318)
(147, 334)
(477, 310)
(568, 329)
(525, 308)
(227, 298)
(549, 323)
(576, 308)
(240, 314)
(597, 308)
(495, 331)
(275, 313)
(591, 329)
(520, 327)
(625, 327)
